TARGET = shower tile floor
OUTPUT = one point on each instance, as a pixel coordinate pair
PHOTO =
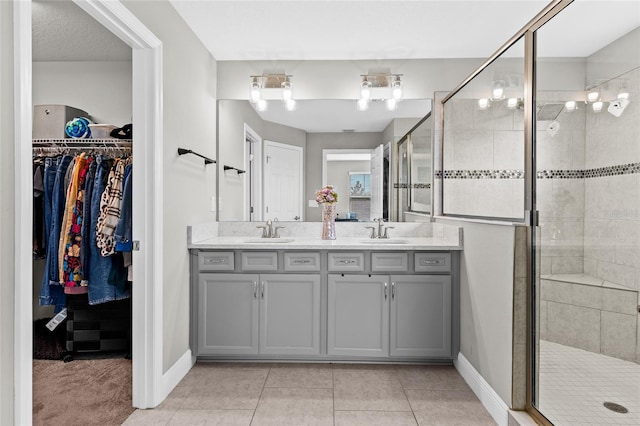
(574, 385)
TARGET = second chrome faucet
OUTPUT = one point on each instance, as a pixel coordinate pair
(269, 230)
(382, 231)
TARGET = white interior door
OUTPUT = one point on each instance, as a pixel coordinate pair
(377, 186)
(283, 181)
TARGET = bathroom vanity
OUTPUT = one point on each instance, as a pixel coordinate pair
(303, 298)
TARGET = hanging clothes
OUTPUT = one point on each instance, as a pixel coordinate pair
(76, 192)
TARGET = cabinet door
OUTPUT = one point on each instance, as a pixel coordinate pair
(228, 320)
(290, 314)
(421, 315)
(358, 315)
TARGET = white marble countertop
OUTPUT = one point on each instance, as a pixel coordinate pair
(310, 243)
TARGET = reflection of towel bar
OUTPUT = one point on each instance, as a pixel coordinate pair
(182, 151)
(233, 168)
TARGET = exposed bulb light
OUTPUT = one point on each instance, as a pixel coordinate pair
(483, 103)
(623, 95)
(365, 90)
(392, 104)
(497, 92)
(396, 89)
(261, 105)
(593, 96)
(287, 92)
(255, 90)
(597, 106)
(290, 104)
(512, 103)
(570, 105)
(363, 104)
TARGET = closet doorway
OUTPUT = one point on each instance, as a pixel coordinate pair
(148, 386)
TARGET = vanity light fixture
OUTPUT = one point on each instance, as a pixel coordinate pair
(483, 103)
(267, 87)
(380, 87)
(570, 105)
(512, 103)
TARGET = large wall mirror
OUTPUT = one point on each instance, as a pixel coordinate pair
(272, 162)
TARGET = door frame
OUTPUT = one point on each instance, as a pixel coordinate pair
(300, 151)
(253, 184)
(148, 384)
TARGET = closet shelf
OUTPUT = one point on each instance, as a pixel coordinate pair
(81, 142)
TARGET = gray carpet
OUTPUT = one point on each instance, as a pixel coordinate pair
(82, 392)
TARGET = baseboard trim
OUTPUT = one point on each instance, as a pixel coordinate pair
(485, 393)
(172, 377)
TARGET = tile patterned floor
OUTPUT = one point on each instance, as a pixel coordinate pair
(318, 394)
(575, 383)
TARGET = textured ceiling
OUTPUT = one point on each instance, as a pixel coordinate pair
(64, 32)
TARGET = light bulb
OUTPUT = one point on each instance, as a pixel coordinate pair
(396, 89)
(512, 103)
(483, 103)
(593, 96)
(597, 106)
(623, 95)
(287, 92)
(363, 104)
(392, 104)
(365, 90)
(497, 93)
(290, 104)
(261, 105)
(570, 105)
(255, 90)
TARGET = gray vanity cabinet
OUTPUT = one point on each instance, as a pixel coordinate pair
(420, 323)
(290, 314)
(358, 315)
(228, 320)
(250, 314)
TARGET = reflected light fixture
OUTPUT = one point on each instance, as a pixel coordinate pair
(593, 95)
(363, 104)
(597, 106)
(365, 89)
(392, 104)
(261, 105)
(623, 95)
(570, 105)
(287, 92)
(497, 92)
(290, 104)
(396, 88)
(512, 103)
(255, 89)
(483, 103)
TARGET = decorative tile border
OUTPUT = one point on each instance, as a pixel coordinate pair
(625, 169)
(414, 186)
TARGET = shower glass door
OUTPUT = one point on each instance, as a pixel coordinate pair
(586, 343)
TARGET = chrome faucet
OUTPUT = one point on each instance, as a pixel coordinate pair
(382, 231)
(268, 230)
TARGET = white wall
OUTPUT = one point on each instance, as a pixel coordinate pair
(189, 74)
(486, 301)
(102, 89)
(7, 222)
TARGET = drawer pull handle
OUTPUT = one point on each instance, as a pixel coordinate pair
(393, 291)
(385, 291)
(255, 289)
(347, 261)
(301, 261)
(431, 262)
(262, 289)
(217, 260)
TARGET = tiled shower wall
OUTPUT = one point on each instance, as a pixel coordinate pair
(612, 196)
(483, 160)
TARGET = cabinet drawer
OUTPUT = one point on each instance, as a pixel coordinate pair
(302, 262)
(260, 261)
(216, 261)
(433, 262)
(395, 262)
(351, 262)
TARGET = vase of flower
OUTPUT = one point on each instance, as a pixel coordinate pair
(328, 198)
(329, 221)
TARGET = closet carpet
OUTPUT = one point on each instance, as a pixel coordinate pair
(82, 392)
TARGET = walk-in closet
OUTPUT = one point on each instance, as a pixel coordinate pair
(82, 214)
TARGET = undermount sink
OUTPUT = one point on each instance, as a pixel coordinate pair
(267, 240)
(383, 241)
